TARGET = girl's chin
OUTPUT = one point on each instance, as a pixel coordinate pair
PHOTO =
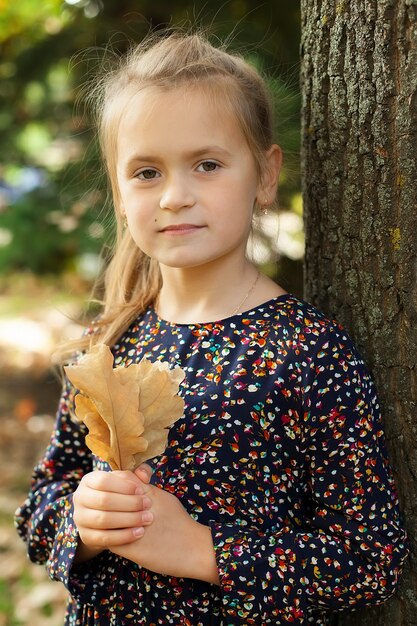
(183, 262)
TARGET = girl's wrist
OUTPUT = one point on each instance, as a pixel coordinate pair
(85, 553)
(201, 555)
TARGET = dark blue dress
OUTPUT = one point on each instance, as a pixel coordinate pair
(280, 451)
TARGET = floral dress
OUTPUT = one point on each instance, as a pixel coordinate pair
(280, 452)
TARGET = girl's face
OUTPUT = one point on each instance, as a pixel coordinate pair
(187, 179)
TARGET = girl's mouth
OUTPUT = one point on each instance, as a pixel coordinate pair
(180, 229)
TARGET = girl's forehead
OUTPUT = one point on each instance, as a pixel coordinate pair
(194, 109)
(200, 97)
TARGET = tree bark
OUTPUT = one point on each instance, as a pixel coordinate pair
(359, 151)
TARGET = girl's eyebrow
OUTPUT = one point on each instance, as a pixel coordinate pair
(208, 150)
(193, 154)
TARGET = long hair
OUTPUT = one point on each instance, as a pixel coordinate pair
(165, 61)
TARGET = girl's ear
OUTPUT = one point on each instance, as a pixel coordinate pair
(269, 183)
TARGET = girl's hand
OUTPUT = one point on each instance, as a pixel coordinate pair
(174, 544)
(110, 509)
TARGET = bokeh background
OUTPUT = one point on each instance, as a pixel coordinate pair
(55, 218)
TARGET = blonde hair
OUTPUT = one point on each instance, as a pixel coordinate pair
(174, 59)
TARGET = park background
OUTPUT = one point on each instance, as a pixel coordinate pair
(55, 218)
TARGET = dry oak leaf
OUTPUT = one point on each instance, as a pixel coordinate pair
(127, 410)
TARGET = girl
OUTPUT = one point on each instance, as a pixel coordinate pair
(274, 500)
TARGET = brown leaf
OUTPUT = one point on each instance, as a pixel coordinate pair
(98, 438)
(158, 403)
(126, 409)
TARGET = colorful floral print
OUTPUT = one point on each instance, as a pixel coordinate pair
(280, 451)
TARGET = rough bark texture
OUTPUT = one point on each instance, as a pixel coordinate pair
(359, 84)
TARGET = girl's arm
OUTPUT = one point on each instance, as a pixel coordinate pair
(347, 551)
(45, 521)
(72, 513)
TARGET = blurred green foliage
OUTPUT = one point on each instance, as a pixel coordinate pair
(52, 192)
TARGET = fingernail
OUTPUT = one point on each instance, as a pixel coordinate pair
(146, 502)
(138, 532)
(147, 516)
(138, 491)
(147, 470)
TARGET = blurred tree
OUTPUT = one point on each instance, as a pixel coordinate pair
(48, 226)
(359, 83)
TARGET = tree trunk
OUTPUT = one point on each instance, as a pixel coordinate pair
(359, 84)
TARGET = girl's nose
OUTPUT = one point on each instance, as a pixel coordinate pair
(176, 195)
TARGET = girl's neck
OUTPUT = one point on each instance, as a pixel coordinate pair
(198, 295)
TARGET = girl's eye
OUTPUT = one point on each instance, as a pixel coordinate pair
(147, 174)
(208, 166)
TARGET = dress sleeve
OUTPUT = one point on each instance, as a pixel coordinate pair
(347, 549)
(45, 520)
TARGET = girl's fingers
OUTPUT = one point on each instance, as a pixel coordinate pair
(109, 520)
(115, 482)
(110, 509)
(108, 501)
(144, 473)
(118, 537)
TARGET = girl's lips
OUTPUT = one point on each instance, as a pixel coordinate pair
(180, 228)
